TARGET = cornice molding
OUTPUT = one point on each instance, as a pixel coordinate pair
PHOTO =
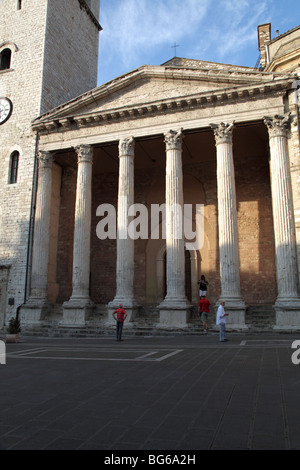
(232, 78)
(166, 106)
(282, 59)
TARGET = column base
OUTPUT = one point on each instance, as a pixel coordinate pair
(287, 313)
(174, 313)
(236, 308)
(76, 312)
(34, 311)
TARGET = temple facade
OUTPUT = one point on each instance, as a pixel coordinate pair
(162, 175)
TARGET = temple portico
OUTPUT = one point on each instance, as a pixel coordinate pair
(196, 149)
(129, 192)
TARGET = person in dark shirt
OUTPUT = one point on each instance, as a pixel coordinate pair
(121, 315)
(203, 286)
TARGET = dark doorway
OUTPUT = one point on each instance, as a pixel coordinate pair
(188, 278)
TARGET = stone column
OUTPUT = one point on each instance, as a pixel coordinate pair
(228, 228)
(37, 305)
(175, 309)
(77, 308)
(287, 305)
(125, 244)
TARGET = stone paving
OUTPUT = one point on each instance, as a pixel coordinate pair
(187, 393)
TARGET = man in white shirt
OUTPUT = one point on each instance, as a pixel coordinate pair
(221, 320)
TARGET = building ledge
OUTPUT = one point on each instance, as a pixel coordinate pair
(84, 6)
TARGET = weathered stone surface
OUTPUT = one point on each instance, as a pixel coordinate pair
(242, 258)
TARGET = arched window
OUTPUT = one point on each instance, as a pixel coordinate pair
(14, 163)
(5, 58)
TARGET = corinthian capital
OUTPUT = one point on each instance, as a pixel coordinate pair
(173, 140)
(84, 153)
(126, 147)
(223, 132)
(278, 125)
(45, 159)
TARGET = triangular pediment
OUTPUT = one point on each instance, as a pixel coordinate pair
(152, 86)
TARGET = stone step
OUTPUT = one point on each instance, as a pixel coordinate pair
(258, 318)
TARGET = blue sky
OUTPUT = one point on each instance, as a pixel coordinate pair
(138, 32)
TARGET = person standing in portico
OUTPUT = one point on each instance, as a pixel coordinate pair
(203, 310)
(203, 283)
(121, 316)
(221, 321)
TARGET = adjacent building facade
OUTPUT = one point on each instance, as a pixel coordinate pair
(137, 187)
(48, 55)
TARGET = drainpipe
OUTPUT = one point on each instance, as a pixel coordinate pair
(31, 221)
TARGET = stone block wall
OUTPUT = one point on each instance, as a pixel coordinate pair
(54, 49)
(71, 53)
(23, 32)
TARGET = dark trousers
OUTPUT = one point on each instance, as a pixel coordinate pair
(119, 330)
(222, 333)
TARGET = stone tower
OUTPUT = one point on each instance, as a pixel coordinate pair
(48, 55)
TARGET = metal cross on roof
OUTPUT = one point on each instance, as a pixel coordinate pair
(175, 47)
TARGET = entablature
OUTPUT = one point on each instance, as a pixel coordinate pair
(162, 107)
